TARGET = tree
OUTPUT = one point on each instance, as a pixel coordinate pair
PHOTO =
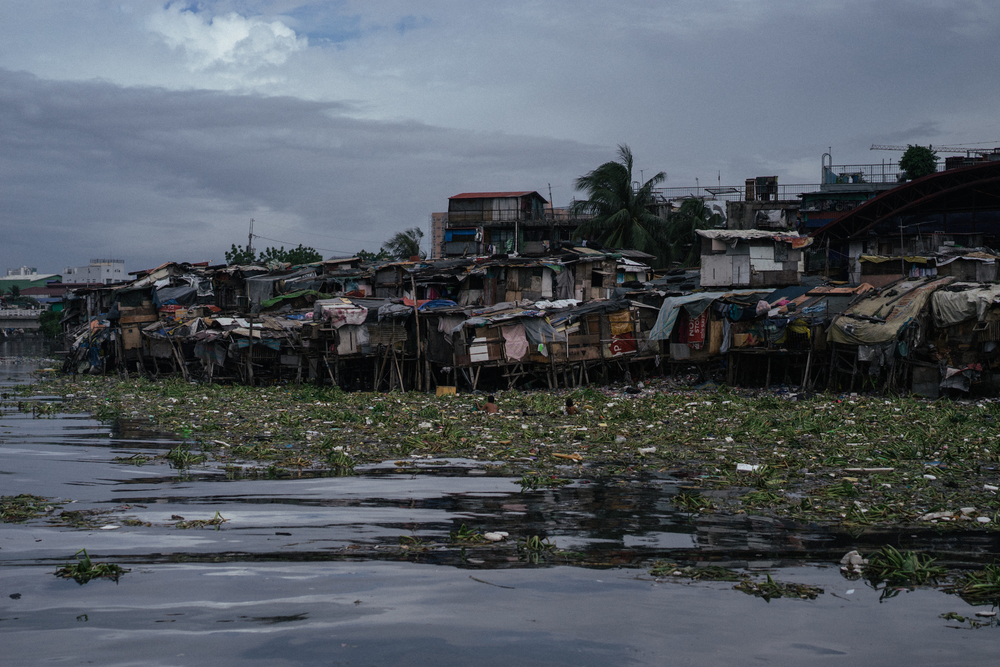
(15, 291)
(622, 216)
(405, 244)
(49, 324)
(298, 255)
(238, 255)
(366, 256)
(918, 161)
(682, 244)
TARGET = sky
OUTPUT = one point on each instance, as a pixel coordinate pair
(155, 131)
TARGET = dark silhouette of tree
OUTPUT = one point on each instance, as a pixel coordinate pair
(298, 255)
(404, 244)
(623, 217)
(682, 243)
(366, 256)
(918, 161)
(240, 255)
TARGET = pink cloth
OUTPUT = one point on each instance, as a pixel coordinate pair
(515, 342)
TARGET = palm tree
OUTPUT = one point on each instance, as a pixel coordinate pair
(405, 244)
(681, 240)
(622, 216)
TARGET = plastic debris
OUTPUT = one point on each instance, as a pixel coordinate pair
(747, 467)
(497, 536)
(852, 563)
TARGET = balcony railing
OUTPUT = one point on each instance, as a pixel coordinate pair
(856, 174)
(777, 192)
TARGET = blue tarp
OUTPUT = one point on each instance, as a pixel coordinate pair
(437, 303)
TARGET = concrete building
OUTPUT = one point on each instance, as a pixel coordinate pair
(750, 258)
(104, 271)
(24, 277)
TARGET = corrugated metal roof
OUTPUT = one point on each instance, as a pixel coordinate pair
(493, 195)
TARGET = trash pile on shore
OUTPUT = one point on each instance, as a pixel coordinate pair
(848, 459)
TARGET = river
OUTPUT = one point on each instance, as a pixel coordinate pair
(363, 570)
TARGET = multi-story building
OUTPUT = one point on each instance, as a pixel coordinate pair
(486, 223)
(104, 271)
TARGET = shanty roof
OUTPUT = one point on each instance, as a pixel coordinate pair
(796, 240)
(493, 195)
(745, 234)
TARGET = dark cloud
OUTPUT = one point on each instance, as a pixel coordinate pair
(91, 169)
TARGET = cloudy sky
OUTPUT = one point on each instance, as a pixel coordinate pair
(154, 131)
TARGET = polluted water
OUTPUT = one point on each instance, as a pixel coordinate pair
(113, 554)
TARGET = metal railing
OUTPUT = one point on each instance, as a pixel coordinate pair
(851, 174)
(788, 192)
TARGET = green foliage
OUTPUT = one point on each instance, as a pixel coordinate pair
(466, 535)
(49, 324)
(535, 549)
(532, 481)
(17, 509)
(297, 255)
(405, 244)
(918, 161)
(682, 246)
(662, 568)
(773, 589)
(379, 256)
(979, 587)
(907, 567)
(84, 569)
(622, 217)
(240, 255)
(216, 521)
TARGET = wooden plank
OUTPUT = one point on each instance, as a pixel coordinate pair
(134, 319)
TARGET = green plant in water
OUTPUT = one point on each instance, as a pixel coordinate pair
(696, 573)
(181, 456)
(693, 502)
(535, 543)
(762, 498)
(412, 543)
(842, 489)
(907, 567)
(340, 463)
(979, 587)
(84, 569)
(533, 481)
(135, 459)
(535, 549)
(216, 521)
(467, 535)
(772, 589)
(15, 509)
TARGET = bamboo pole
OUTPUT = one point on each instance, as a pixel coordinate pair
(416, 315)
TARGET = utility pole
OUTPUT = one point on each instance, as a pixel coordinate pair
(250, 239)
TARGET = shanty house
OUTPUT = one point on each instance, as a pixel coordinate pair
(750, 258)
